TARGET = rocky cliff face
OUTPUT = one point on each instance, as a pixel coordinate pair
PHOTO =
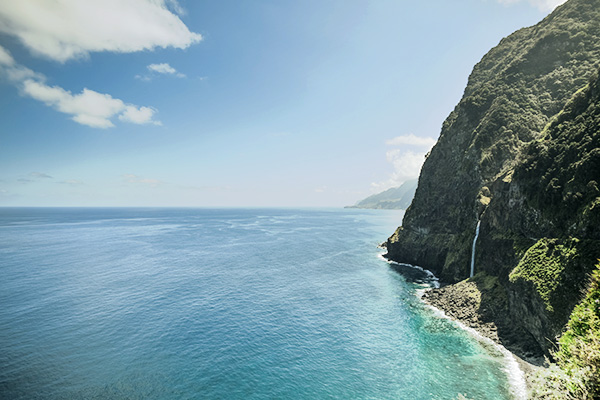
(521, 153)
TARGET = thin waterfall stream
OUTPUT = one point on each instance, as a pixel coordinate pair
(473, 251)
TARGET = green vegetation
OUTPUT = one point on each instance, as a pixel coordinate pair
(544, 265)
(512, 95)
(579, 351)
(556, 269)
(550, 384)
(576, 375)
(520, 153)
(560, 172)
(493, 296)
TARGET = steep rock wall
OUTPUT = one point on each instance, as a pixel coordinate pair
(520, 152)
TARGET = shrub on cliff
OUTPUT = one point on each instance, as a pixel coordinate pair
(559, 173)
(579, 351)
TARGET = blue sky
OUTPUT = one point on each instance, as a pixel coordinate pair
(231, 103)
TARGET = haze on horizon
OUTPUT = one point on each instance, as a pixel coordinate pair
(263, 103)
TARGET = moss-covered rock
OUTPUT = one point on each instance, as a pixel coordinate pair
(579, 352)
(549, 280)
(544, 265)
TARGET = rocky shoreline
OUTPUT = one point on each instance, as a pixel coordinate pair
(462, 302)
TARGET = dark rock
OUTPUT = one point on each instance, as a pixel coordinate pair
(520, 152)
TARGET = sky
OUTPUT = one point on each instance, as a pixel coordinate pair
(225, 103)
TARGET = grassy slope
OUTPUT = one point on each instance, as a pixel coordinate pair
(577, 374)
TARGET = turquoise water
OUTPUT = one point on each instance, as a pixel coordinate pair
(221, 304)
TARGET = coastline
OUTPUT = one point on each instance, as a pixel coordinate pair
(515, 367)
(529, 367)
(460, 303)
(521, 369)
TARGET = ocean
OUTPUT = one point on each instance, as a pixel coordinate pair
(125, 303)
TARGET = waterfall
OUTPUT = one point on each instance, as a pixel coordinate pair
(473, 251)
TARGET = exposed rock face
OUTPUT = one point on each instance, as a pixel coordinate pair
(477, 304)
(521, 152)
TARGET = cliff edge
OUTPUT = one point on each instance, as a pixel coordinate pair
(520, 154)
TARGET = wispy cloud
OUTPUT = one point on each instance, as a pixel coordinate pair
(411, 140)
(165, 68)
(40, 175)
(89, 107)
(138, 115)
(33, 177)
(68, 29)
(5, 57)
(542, 5)
(159, 69)
(406, 158)
(174, 6)
(13, 71)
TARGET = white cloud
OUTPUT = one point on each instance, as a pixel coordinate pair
(174, 6)
(5, 58)
(18, 73)
(141, 115)
(13, 71)
(406, 163)
(411, 140)
(66, 29)
(89, 107)
(542, 5)
(63, 30)
(144, 78)
(162, 68)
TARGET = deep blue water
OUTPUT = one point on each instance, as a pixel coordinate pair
(221, 304)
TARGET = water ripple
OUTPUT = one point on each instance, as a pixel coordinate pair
(213, 304)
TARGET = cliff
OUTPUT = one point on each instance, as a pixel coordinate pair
(521, 154)
(397, 198)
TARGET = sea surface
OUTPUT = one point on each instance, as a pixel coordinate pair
(222, 304)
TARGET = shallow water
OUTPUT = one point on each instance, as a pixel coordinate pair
(215, 304)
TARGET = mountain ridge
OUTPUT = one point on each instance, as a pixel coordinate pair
(396, 198)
